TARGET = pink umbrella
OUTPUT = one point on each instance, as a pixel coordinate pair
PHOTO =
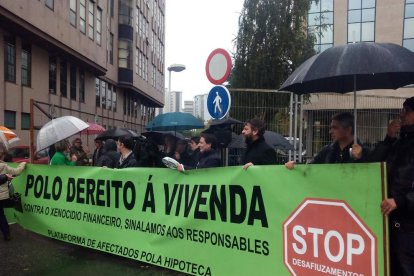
(93, 129)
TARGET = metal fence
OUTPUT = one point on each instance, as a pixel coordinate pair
(307, 119)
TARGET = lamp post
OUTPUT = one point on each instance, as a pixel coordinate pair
(175, 68)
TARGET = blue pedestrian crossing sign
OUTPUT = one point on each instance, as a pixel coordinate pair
(218, 102)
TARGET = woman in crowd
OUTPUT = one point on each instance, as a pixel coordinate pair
(4, 194)
(62, 150)
(81, 154)
(208, 156)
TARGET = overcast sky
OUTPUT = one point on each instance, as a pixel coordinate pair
(194, 28)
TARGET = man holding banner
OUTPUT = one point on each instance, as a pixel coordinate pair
(399, 206)
(258, 152)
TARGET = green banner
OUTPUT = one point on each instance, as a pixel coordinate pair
(313, 220)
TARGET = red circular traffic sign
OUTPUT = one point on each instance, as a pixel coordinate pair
(327, 237)
(218, 66)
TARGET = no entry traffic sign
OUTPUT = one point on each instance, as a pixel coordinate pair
(218, 66)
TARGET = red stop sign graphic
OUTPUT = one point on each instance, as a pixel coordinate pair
(326, 237)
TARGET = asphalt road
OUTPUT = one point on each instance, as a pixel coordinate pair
(32, 254)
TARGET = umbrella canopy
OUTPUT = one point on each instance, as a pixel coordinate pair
(93, 129)
(352, 67)
(57, 130)
(115, 133)
(273, 139)
(174, 121)
(7, 136)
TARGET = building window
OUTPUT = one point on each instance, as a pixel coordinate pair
(361, 21)
(111, 8)
(103, 93)
(125, 12)
(25, 120)
(98, 26)
(52, 75)
(109, 97)
(320, 25)
(26, 64)
(125, 53)
(63, 79)
(10, 119)
(81, 86)
(50, 4)
(137, 54)
(72, 13)
(91, 7)
(408, 39)
(10, 59)
(72, 82)
(82, 16)
(98, 92)
(111, 48)
(114, 98)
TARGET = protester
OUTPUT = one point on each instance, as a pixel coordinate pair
(169, 145)
(149, 154)
(208, 156)
(195, 149)
(110, 157)
(4, 194)
(181, 153)
(399, 206)
(61, 153)
(81, 154)
(125, 146)
(343, 148)
(99, 149)
(258, 152)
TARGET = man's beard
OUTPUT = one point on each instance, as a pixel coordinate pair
(248, 139)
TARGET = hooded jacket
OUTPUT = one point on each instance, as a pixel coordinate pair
(110, 157)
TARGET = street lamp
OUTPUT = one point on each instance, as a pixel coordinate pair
(175, 68)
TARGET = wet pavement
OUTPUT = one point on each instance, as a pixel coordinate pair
(31, 254)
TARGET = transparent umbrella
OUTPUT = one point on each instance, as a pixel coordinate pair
(57, 130)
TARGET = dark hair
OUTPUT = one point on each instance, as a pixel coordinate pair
(61, 145)
(409, 103)
(195, 139)
(210, 139)
(258, 125)
(127, 141)
(345, 119)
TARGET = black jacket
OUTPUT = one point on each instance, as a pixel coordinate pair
(332, 154)
(259, 153)
(128, 162)
(109, 157)
(399, 155)
(208, 159)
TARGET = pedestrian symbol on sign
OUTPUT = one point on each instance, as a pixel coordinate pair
(218, 102)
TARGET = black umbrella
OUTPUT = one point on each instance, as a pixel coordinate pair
(115, 133)
(353, 67)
